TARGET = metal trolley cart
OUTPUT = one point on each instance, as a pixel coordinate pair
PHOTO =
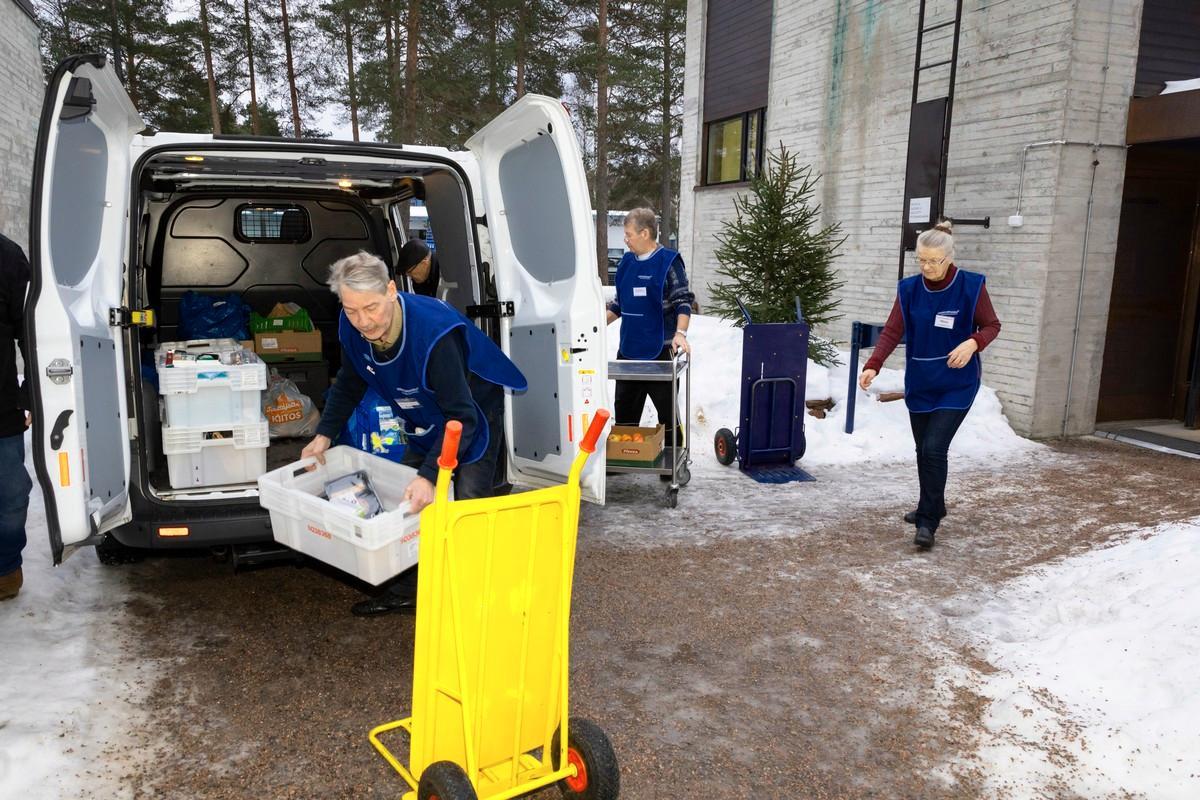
(674, 460)
(490, 660)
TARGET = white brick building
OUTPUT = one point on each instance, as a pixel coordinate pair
(20, 105)
(1029, 71)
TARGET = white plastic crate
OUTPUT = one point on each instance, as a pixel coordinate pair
(373, 549)
(215, 456)
(203, 393)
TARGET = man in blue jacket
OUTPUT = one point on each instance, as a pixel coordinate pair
(654, 303)
(433, 365)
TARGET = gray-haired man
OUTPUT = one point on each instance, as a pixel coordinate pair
(433, 365)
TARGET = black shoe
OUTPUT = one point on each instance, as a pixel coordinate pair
(385, 603)
(924, 538)
(911, 517)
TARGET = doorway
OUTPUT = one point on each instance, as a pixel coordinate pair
(1149, 368)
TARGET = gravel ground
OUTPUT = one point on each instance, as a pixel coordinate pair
(770, 642)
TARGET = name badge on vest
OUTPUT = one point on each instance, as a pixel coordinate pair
(944, 320)
(639, 291)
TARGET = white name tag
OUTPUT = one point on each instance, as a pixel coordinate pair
(639, 291)
(943, 321)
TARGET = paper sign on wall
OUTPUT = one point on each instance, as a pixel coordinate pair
(918, 209)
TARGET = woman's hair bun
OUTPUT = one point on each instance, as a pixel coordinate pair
(945, 226)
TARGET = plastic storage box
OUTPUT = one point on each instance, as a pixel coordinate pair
(373, 549)
(210, 382)
(215, 456)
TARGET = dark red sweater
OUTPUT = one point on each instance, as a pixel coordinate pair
(987, 324)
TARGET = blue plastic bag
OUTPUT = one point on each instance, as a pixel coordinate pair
(374, 428)
(213, 316)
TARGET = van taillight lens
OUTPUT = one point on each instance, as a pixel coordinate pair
(173, 533)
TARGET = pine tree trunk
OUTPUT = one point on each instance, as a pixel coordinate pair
(664, 229)
(389, 47)
(410, 71)
(395, 98)
(114, 32)
(350, 74)
(602, 142)
(493, 59)
(255, 124)
(291, 72)
(206, 41)
(522, 47)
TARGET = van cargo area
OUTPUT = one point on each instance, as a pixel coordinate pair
(266, 228)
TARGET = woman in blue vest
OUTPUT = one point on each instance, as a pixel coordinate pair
(946, 317)
(655, 306)
(433, 365)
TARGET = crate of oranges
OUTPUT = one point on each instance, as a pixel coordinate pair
(633, 446)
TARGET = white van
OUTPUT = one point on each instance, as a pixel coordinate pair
(126, 219)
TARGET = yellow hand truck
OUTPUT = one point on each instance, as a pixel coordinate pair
(489, 704)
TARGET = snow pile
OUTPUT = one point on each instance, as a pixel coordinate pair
(66, 678)
(881, 430)
(1097, 659)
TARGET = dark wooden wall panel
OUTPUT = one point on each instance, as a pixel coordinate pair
(737, 57)
(1170, 44)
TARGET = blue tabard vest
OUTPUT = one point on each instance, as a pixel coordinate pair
(644, 329)
(401, 381)
(936, 322)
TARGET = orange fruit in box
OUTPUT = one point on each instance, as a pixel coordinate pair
(637, 437)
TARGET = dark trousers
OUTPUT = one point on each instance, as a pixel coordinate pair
(482, 478)
(14, 501)
(631, 399)
(932, 433)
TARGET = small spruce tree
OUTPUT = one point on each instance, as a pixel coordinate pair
(773, 252)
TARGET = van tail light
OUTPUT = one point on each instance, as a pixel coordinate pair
(174, 533)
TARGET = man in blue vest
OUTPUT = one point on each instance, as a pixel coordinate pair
(433, 365)
(654, 303)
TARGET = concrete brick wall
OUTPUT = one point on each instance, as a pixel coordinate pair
(1028, 71)
(20, 105)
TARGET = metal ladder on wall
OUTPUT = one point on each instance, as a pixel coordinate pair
(925, 170)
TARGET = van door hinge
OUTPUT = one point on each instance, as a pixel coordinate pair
(59, 371)
(124, 318)
(496, 310)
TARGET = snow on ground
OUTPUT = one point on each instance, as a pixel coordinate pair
(881, 430)
(1097, 664)
(67, 684)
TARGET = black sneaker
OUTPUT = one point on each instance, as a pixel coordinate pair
(385, 603)
(924, 538)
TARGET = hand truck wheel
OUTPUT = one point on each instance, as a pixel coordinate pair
(589, 750)
(725, 443)
(445, 780)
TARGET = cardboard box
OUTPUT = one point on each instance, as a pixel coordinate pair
(288, 346)
(643, 453)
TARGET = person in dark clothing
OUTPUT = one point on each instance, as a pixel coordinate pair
(654, 303)
(14, 419)
(948, 318)
(433, 365)
(421, 266)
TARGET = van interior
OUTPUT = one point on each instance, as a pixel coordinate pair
(266, 226)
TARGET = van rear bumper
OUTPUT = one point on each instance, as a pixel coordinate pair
(239, 521)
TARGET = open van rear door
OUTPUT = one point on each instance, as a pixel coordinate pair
(78, 237)
(539, 221)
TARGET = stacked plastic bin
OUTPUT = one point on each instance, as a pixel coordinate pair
(214, 431)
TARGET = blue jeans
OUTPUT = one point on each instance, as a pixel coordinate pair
(14, 501)
(932, 432)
